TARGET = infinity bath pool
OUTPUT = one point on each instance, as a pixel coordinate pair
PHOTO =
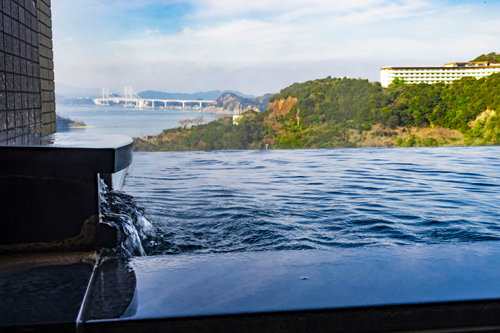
(239, 201)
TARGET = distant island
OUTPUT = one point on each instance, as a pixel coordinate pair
(229, 103)
(345, 113)
(65, 122)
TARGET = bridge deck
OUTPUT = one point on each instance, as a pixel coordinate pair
(113, 99)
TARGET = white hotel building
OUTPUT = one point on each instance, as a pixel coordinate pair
(448, 73)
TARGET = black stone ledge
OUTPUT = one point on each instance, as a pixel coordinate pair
(50, 190)
(435, 288)
(425, 288)
(59, 155)
(431, 318)
(481, 316)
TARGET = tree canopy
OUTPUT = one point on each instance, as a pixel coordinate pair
(490, 57)
(339, 112)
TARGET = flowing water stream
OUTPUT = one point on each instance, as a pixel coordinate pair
(121, 211)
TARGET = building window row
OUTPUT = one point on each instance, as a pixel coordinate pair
(453, 71)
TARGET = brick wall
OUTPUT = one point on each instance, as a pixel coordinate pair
(26, 88)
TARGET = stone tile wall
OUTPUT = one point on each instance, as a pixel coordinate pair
(24, 83)
(46, 67)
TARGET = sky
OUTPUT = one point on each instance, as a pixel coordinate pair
(259, 46)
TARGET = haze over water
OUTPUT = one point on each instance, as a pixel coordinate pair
(128, 121)
(226, 201)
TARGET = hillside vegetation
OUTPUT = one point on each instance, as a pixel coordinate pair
(341, 112)
(491, 57)
(229, 103)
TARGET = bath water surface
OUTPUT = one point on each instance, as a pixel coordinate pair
(234, 201)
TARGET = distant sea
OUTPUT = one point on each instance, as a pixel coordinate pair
(128, 121)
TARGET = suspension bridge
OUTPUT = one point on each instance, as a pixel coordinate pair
(129, 98)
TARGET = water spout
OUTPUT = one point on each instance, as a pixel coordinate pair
(120, 210)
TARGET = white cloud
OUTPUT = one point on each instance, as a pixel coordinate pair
(277, 40)
(148, 32)
(490, 25)
(260, 46)
(291, 8)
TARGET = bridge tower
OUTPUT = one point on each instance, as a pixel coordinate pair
(105, 92)
(131, 96)
(105, 96)
(128, 95)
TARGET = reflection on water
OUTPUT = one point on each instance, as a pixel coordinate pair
(143, 289)
(205, 202)
(42, 293)
(114, 291)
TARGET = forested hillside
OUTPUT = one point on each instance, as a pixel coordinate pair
(491, 57)
(341, 112)
(230, 103)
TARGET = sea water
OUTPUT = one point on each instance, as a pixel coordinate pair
(127, 121)
(234, 201)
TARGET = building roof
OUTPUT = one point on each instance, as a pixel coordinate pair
(442, 67)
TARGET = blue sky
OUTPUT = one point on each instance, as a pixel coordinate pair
(259, 46)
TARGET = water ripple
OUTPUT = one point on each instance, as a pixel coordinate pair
(207, 202)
